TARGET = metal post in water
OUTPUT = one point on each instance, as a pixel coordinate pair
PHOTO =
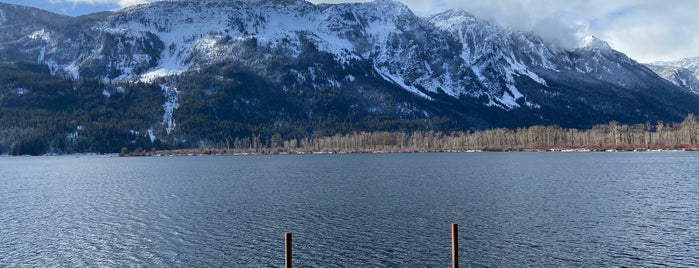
(454, 246)
(287, 250)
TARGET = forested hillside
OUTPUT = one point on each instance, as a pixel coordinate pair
(40, 113)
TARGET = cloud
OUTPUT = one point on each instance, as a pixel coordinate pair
(659, 32)
(561, 29)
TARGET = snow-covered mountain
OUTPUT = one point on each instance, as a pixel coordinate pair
(683, 73)
(450, 64)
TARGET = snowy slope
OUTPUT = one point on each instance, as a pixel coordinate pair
(494, 53)
(196, 33)
(491, 53)
(684, 73)
(168, 38)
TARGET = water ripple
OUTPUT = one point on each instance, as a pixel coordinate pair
(391, 210)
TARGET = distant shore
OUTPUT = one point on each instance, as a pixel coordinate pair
(228, 152)
(225, 152)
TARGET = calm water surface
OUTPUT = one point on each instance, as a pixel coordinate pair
(388, 210)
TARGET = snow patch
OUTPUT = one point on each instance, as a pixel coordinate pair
(312, 71)
(350, 78)
(44, 37)
(171, 103)
(106, 93)
(517, 67)
(72, 70)
(21, 91)
(515, 92)
(595, 43)
(397, 80)
(334, 83)
(509, 99)
(2, 17)
(151, 135)
(72, 136)
(477, 71)
(151, 76)
(42, 55)
(41, 35)
(533, 105)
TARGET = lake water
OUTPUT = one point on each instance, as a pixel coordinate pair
(366, 210)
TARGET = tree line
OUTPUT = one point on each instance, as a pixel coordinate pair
(612, 136)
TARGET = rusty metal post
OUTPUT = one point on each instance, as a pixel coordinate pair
(454, 246)
(287, 250)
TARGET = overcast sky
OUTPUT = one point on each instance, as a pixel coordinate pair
(646, 30)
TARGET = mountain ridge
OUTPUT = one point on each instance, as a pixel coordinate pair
(683, 73)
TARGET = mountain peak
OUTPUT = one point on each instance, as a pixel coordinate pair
(391, 5)
(592, 42)
(455, 15)
(456, 18)
(457, 12)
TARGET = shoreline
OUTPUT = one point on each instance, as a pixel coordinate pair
(225, 152)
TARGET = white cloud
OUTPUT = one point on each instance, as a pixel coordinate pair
(659, 32)
(562, 29)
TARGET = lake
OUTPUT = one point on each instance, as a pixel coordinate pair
(353, 210)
